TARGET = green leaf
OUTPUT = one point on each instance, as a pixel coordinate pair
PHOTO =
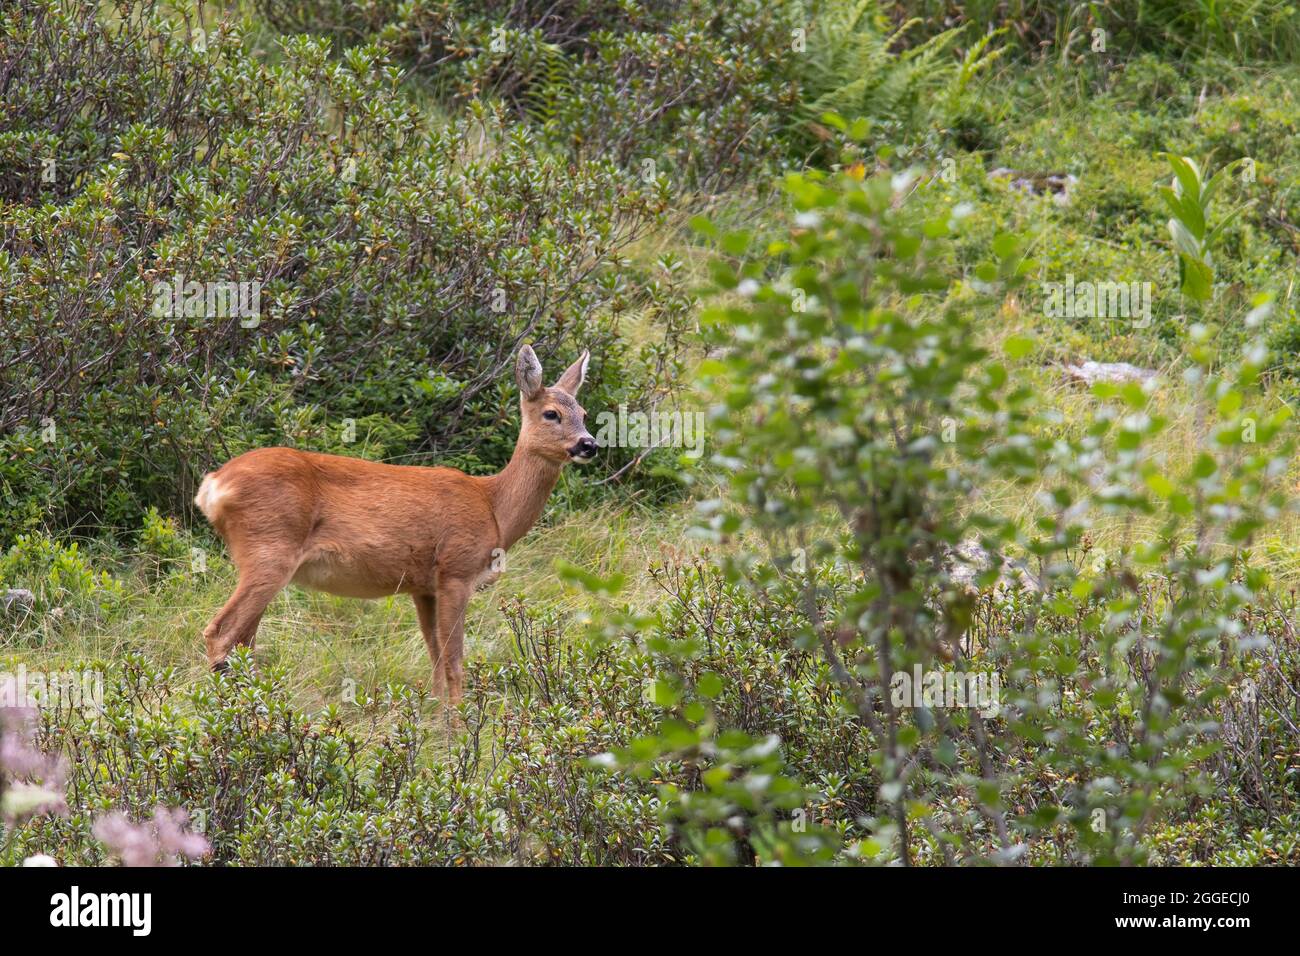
(1184, 242)
(737, 243)
(1198, 280)
(663, 693)
(1018, 346)
(709, 685)
(1188, 176)
(704, 226)
(1005, 245)
(572, 574)
(1160, 484)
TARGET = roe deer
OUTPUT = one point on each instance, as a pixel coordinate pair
(363, 529)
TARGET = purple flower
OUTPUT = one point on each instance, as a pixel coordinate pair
(174, 839)
(164, 841)
(20, 760)
(15, 710)
(23, 800)
(31, 782)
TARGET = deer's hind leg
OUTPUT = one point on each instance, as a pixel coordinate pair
(260, 580)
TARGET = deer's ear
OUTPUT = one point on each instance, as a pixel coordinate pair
(574, 375)
(528, 373)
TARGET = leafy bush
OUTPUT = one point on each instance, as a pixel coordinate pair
(690, 91)
(364, 783)
(162, 544)
(704, 732)
(853, 385)
(63, 583)
(701, 94)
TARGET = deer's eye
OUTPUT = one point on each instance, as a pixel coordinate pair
(551, 415)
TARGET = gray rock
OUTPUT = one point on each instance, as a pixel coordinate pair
(1118, 372)
(17, 598)
(968, 560)
(1057, 186)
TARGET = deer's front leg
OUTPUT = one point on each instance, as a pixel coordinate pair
(425, 607)
(452, 597)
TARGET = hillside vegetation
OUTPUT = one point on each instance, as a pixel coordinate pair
(870, 244)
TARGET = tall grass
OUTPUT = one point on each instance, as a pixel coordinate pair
(325, 642)
(1239, 29)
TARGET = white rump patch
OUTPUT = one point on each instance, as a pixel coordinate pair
(209, 497)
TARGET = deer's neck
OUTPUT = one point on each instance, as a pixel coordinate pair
(519, 492)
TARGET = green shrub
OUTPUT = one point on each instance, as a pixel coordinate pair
(852, 384)
(701, 94)
(374, 782)
(163, 547)
(691, 91)
(64, 585)
(704, 731)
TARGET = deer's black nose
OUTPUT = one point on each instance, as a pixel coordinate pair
(586, 448)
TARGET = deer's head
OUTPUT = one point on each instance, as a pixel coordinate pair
(553, 423)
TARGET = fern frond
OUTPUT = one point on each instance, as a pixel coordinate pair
(549, 83)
